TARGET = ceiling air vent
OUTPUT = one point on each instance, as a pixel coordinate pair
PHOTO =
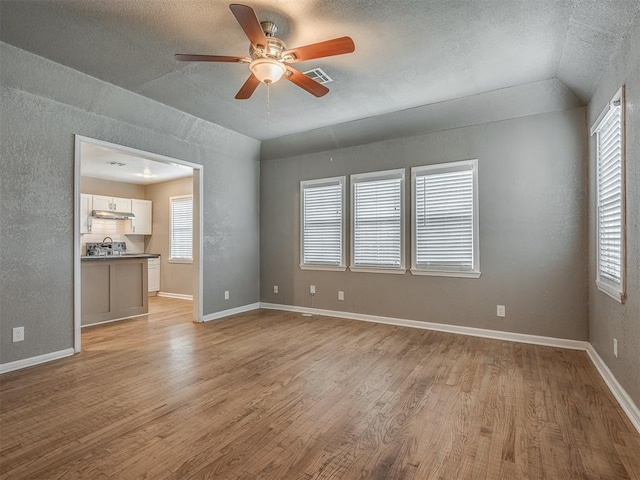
(318, 75)
(116, 164)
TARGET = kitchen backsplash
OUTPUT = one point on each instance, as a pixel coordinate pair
(114, 229)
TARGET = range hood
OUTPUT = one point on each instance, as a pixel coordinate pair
(110, 215)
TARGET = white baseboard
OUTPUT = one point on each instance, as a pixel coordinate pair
(441, 327)
(180, 296)
(113, 320)
(31, 361)
(231, 311)
(629, 407)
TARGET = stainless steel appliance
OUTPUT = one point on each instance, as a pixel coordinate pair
(106, 248)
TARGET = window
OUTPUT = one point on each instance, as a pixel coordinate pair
(610, 189)
(322, 224)
(445, 219)
(377, 222)
(181, 235)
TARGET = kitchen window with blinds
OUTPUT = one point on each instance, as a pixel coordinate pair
(322, 224)
(610, 198)
(377, 222)
(445, 219)
(181, 234)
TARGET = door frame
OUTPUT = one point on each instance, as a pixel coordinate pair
(198, 277)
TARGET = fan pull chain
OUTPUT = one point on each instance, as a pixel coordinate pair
(268, 105)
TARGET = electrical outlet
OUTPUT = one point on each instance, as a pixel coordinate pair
(18, 334)
(312, 289)
(226, 294)
(501, 311)
(340, 295)
(275, 289)
(615, 347)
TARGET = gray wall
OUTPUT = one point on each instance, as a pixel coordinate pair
(174, 277)
(609, 319)
(43, 105)
(533, 224)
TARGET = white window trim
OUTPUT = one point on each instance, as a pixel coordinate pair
(445, 273)
(613, 290)
(383, 175)
(171, 259)
(180, 260)
(475, 273)
(304, 183)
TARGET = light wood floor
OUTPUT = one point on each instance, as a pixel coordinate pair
(281, 396)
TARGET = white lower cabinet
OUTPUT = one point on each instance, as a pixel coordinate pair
(154, 275)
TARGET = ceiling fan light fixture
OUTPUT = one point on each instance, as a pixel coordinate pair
(267, 70)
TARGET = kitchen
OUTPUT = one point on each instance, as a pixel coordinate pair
(136, 233)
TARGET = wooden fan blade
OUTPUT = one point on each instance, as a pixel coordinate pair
(248, 88)
(248, 20)
(337, 46)
(187, 57)
(306, 83)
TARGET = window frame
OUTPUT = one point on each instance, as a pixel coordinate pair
(172, 259)
(380, 175)
(320, 182)
(617, 291)
(471, 164)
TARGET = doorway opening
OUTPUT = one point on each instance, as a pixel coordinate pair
(110, 179)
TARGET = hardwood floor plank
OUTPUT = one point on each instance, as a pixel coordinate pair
(275, 395)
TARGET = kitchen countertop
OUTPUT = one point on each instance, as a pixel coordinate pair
(120, 257)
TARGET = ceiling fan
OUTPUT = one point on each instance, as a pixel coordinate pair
(269, 59)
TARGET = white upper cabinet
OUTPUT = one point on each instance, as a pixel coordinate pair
(86, 207)
(121, 204)
(142, 223)
(142, 209)
(112, 204)
(101, 203)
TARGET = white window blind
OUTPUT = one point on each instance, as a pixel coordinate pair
(610, 200)
(378, 220)
(181, 228)
(445, 221)
(322, 223)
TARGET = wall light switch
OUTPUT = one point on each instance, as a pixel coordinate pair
(312, 289)
(615, 347)
(501, 312)
(340, 295)
(18, 334)
(275, 289)
(226, 294)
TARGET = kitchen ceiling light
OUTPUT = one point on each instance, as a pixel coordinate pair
(267, 70)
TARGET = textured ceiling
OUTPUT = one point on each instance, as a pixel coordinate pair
(110, 164)
(408, 52)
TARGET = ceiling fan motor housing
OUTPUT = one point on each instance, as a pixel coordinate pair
(275, 45)
(269, 28)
